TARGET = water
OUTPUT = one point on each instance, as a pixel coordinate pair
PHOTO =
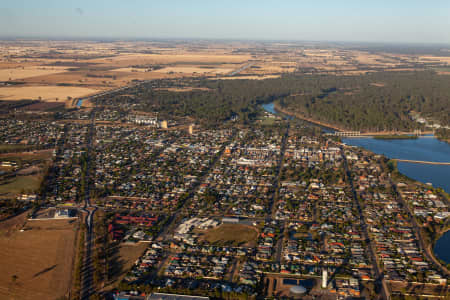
(442, 247)
(270, 108)
(424, 148)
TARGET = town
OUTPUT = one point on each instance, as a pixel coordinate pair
(274, 210)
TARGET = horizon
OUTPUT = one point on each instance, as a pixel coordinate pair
(402, 22)
(224, 40)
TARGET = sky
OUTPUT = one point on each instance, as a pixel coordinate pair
(397, 21)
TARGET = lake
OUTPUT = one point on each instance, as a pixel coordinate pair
(442, 247)
(423, 148)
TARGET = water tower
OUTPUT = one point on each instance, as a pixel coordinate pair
(324, 278)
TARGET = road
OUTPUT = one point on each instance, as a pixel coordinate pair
(426, 249)
(378, 272)
(244, 67)
(176, 215)
(87, 286)
(276, 183)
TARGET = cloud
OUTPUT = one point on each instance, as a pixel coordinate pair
(79, 11)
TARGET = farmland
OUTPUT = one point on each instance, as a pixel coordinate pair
(53, 93)
(56, 70)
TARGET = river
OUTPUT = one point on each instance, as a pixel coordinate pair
(422, 148)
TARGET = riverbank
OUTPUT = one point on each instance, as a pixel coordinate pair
(279, 109)
(382, 135)
(417, 149)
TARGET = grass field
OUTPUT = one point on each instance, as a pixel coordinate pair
(21, 183)
(231, 234)
(25, 156)
(36, 263)
(27, 179)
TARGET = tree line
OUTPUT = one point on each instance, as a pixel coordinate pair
(376, 102)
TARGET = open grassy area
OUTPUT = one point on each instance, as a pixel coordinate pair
(36, 263)
(232, 235)
(27, 156)
(21, 183)
(14, 147)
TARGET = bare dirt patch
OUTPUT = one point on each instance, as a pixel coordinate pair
(37, 263)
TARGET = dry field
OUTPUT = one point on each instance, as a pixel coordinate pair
(86, 67)
(52, 93)
(191, 70)
(125, 60)
(29, 71)
(231, 234)
(125, 259)
(445, 59)
(36, 263)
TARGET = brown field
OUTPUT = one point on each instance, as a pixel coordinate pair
(444, 59)
(40, 258)
(231, 234)
(86, 67)
(125, 259)
(190, 70)
(43, 106)
(28, 71)
(125, 60)
(54, 93)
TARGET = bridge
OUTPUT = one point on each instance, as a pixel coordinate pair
(423, 162)
(345, 133)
